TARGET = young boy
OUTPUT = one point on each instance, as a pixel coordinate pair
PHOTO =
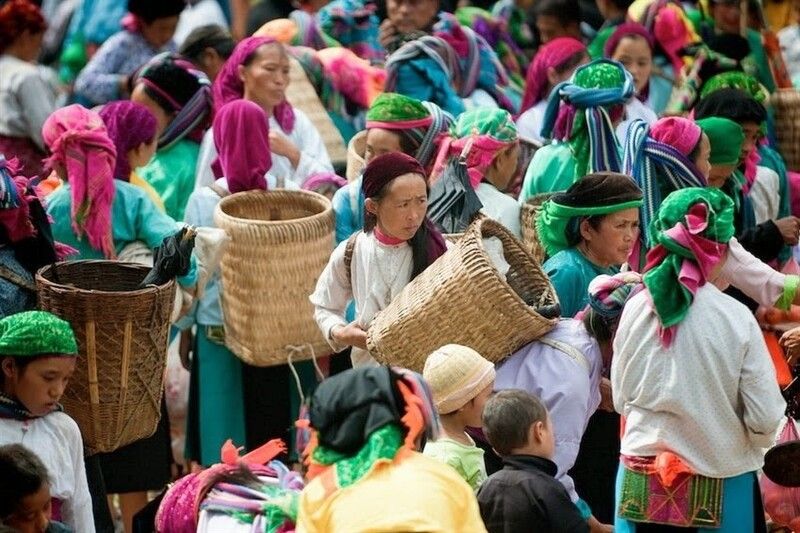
(524, 495)
(461, 380)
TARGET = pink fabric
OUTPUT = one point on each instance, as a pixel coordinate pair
(56, 506)
(794, 191)
(478, 150)
(78, 141)
(16, 220)
(672, 34)
(750, 169)
(322, 178)
(388, 240)
(551, 55)
(680, 133)
(131, 23)
(129, 125)
(241, 136)
(228, 85)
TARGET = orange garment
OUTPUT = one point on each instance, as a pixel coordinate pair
(778, 356)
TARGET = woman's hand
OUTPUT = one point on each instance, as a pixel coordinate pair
(606, 400)
(281, 145)
(790, 342)
(352, 335)
(387, 33)
(790, 229)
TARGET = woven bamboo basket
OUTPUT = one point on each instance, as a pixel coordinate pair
(462, 299)
(528, 213)
(280, 241)
(355, 155)
(786, 103)
(302, 95)
(122, 331)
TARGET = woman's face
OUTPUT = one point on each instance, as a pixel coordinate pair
(611, 243)
(140, 96)
(726, 16)
(719, 174)
(39, 385)
(33, 513)
(703, 154)
(266, 78)
(504, 167)
(635, 55)
(381, 141)
(752, 134)
(411, 15)
(142, 154)
(159, 32)
(403, 207)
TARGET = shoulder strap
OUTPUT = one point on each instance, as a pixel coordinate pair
(222, 193)
(9, 275)
(349, 248)
(569, 350)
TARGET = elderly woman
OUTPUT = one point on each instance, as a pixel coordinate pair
(583, 138)
(258, 71)
(27, 94)
(698, 414)
(586, 231)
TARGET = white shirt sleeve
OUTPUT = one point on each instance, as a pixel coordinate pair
(77, 510)
(750, 275)
(313, 154)
(332, 294)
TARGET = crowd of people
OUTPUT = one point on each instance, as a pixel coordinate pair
(633, 147)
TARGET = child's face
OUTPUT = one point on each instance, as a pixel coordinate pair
(33, 512)
(40, 385)
(476, 405)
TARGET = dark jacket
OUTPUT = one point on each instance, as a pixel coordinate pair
(525, 497)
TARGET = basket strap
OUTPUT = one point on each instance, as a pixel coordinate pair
(9, 275)
(571, 351)
(222, 193)
(349, 249)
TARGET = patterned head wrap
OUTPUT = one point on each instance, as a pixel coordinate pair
(241, 136)
(608, 294)
(365, 417)
(667, 22)
(228, 86)
(353, 23)
(185, 90)
(554, 54)
(494, 31)
(657, 157)
(736, 80)
(129, 125)
(583, 120)
(477, 137)
(726, 138)
(78, 141)
(691, 233)
(35, 333)
(602, 193)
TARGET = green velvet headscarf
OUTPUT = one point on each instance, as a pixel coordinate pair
(736, 80)
(726, 138)
(393, 107)
(35, 333)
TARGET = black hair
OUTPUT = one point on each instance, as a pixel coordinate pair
(177, 82)
(21, 363)
(418, 243)
(599, 327)
(571, 62)
(573, 232)
(208, 36)
(252, 55)
(565, 11)
(733, 104)
(28, 473)
(150, 10)
(622, 5)
(508, 417)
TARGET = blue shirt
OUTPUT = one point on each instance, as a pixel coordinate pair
(348, 205)
(570, 273)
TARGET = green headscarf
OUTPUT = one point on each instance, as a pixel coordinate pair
(35, 333)
(726, 138)
(393, 107)
(736, 80)
(670, 295)
(602, 193)
(496, 123)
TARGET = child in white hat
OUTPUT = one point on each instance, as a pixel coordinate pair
(461, 381)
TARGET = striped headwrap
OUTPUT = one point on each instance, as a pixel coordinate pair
(477, 137)
(495, 32)
(583, 120)
(608, 294)
(194, 115)
(353, 23)
(654, 164)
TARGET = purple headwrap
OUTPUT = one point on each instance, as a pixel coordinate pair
(228, 85)
(129, 125)
(241, 136)
(318, 179)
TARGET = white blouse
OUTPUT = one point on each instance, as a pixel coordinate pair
(56, 440)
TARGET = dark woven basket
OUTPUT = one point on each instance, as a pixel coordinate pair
(122, 331)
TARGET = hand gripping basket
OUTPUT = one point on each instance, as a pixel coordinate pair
(786, 103)
(462, 299)
(122, 331)
(280, 241)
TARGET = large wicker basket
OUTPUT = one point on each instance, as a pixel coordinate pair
(280, 241)
(528, 213)
(355, 155)
(786, 103)
(115, 393)
(462, 299)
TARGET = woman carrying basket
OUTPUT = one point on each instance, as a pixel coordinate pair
(373, 266)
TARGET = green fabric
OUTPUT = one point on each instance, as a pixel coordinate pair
(36, 333)
(789, 293)
(466, 460)
(551, 169)
(670, 298)
(736, 80)
(601, 75)
(393, 107)
(726, 138)
(554, 219)
(495, 123)
(570, 274)
(596, 48)
(759, 57)
(172, 174)
(382, 445)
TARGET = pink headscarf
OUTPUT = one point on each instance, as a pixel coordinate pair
(78, 140)
(129, 125)
(625, 30)
(318, 179)
(228, 85)
(554, 54)
(241, 135)
(680, 133)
